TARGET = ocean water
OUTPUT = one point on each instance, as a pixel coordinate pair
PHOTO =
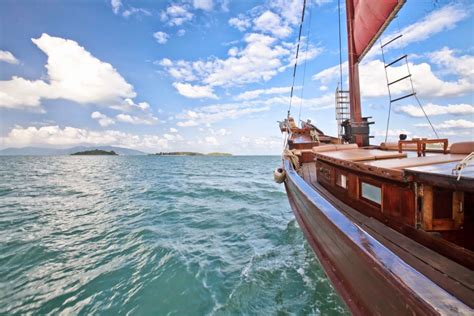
(153, 235)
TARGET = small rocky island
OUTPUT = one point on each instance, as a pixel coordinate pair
(189, 153)
(95, 152)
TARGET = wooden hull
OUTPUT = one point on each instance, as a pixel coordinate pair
(370, 278)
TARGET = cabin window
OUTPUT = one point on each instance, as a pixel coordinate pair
(341, 180)
(371, 192)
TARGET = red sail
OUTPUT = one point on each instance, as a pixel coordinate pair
(370, 17)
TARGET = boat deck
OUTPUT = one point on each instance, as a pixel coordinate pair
(449, 275)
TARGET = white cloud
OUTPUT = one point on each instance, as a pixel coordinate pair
(205, 5)
(426, 83)
(128, 105)
(73, 74)
(270, 22)
(392, 133)
(374, 84)
(214, 113)
(176, 15)
(146, 120)
(19, 93)
(131, 11)
(194, 92)
(451, 124)
(116, 4)
(103, 119)
(70, 136)
(437, 21)
(434, 109)
(173, 130)
(459, 65)
(253, 94)
(255, 144)
(8, 57)
(161, 37)
(181, 32)
(258, 61)
(211, 140)
(330, 74)
(240, 22)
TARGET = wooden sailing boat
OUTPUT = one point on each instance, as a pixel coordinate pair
(393, 230)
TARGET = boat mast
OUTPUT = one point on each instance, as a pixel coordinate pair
(366, 20)
(353, 69)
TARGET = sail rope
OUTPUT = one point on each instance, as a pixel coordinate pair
(296, 59)
(304, 65)
(457, 170)
(412, 88)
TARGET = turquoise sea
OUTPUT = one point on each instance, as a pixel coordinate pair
(153, 235)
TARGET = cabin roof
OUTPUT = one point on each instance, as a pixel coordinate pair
(402, 163)
(354, 155)
(389, 164)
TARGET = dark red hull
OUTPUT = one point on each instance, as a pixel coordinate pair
(370, 278)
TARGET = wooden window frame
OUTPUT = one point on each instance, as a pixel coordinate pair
(372, 183)
(338, 174)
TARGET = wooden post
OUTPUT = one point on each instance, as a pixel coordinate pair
(458, 209)
(427, 207)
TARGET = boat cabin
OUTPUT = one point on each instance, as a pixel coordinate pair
(417, 195)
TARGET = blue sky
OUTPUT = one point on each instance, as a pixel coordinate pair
(214, 75)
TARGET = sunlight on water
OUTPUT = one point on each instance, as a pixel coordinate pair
(153, 235)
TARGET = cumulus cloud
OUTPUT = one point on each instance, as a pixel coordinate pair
(392, 133)
(103, 119)
(462, 66)
(173, 130)
(69, 136)
(132, 119)
(205, 5)
(437, 21)
(269, 22)
(194, 92)
(161, 37)
(450, 124)
(427, 84)
(214, 113)
(240, 22)
(8, 57)
(434, 109)
(132, 10)
(176, 14)
(116, 5)
(253, 94)
(73, 74)
(211, 140)
(259, 60)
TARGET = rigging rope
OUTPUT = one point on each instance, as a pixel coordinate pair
(296, 59)
(304, 67)
(412, 88)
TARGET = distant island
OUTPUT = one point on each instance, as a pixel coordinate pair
(190, 153)
(95, 152)
(45, 151)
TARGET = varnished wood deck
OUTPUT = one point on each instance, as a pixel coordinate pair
(449, 275)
